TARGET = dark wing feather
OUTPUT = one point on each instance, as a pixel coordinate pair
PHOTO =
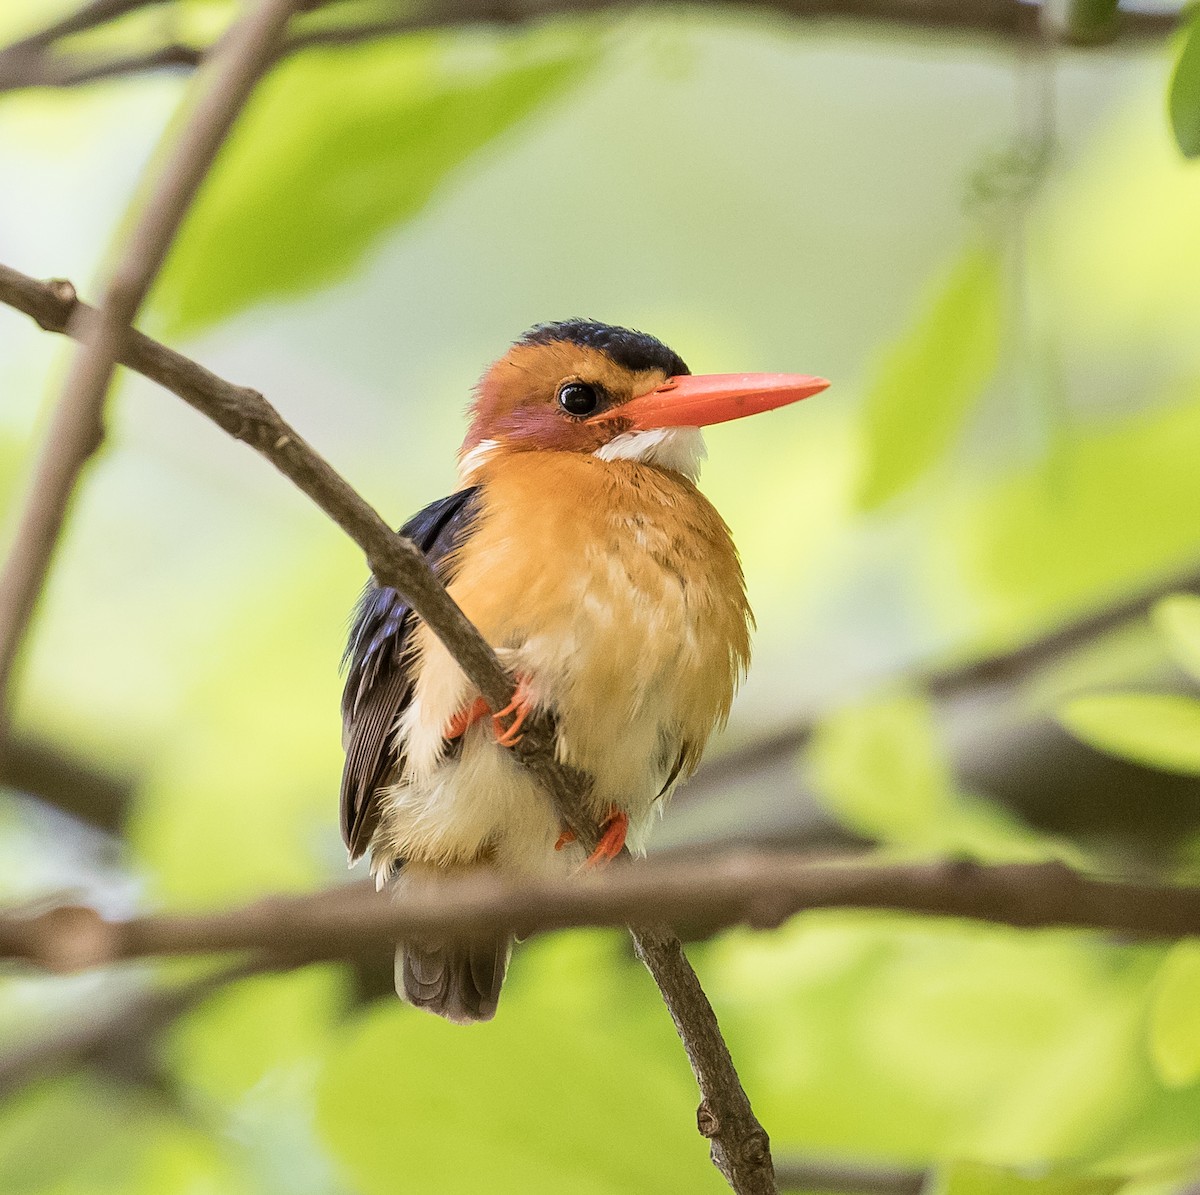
(378, 686)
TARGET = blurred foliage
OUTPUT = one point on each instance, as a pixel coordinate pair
(1184, 98)
(882, 769)
(1178, 620)
(926, 384)
(971, 1178)
(581, 1088)
(83, 1137)
(1158, 729)
(1174, 1024)
(383, 217)
(307, 185)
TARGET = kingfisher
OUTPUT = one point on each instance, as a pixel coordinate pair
(608, 585)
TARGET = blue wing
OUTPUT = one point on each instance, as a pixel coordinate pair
(378, 684)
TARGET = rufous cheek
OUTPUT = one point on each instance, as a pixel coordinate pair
(546, 428)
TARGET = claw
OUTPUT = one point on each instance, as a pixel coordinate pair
(507, 736)
(466, 718)
(612, 840)
(520, 708)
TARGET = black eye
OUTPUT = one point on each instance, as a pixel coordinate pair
(578, 398)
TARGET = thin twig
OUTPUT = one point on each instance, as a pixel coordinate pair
(24, 71)
(76, 429)
(739, 1145)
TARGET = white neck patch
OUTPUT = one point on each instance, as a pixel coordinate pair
(470, 461)
(678, 448)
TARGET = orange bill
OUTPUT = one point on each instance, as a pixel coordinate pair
(699, 400)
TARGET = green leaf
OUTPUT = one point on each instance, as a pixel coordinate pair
(1184, 96)
(1175, 1016)
(1160, 730)
(1178, 619)
(926, 383)
(880, 767)
(339, 147)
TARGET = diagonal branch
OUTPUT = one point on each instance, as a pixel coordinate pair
(397, 562)
(738, 1143)
(93, 15)
(76, 429)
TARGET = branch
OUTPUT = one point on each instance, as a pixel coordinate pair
(739, 1144)
(849, 1178)
(699, 897)
(76, 429)
(30, 63)
(74, 785)
(93, 15)
(19, 72)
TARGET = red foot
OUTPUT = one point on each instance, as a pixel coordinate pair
(564, 839)
(466, 718)
(519, 708)
(507, 736)
(612, 839)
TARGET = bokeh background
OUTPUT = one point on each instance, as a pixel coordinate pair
(989, 242)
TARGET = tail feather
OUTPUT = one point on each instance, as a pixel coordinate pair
(459, 981)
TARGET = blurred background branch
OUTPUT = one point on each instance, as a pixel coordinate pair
(38, 61)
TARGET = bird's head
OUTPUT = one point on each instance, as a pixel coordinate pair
(581, 386)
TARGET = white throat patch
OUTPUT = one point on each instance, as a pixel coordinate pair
(678, 448)
(470, 461)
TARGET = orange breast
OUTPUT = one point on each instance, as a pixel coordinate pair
(616, 586)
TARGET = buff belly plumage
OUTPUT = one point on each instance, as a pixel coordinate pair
(613, 587)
